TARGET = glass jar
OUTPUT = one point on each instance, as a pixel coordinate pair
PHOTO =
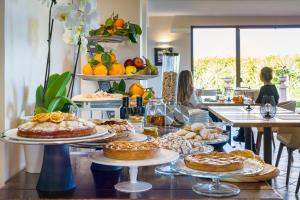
(156, 112)
(138, 123)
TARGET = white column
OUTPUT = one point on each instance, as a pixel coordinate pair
(283, 89)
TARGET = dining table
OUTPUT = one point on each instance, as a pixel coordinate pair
(238, 116)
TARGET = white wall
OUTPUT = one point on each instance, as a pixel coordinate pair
(25, 58)
(165, 29)
(129, 10)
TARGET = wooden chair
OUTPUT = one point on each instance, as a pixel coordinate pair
(289, 105)
(289, 137)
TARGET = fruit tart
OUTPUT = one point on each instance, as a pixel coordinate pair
(214, 162)
(56, 125)
(125, 150)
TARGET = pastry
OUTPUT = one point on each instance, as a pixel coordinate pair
(98, 96)
(56, 125)
(247, 154)
(176, 143)
(125, 150)
(121, 127)
(151, 131)
(214, 162)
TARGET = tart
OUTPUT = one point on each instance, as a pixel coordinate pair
(214, 162)
(124, 150)
(121, 127)
(56, 125)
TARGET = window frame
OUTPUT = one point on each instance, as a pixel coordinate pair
(237, 42)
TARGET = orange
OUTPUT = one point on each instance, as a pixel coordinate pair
(42, 117)
(100, 70)
(87, 69)
(111, 31)
(119, 23)
(136, 89)
(117, 69)
(98, 57)
(57, 117)
(113, 57)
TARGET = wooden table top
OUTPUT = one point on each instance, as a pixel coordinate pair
(239, 117)
(100, 185)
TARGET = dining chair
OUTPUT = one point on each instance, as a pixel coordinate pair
(288, 105)
(289, 137)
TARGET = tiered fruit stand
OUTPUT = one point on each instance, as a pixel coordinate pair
(105, 81)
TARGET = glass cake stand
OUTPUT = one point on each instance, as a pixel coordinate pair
(168, 170)
(216, 188)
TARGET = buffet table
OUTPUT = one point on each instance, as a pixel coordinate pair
(101, 185)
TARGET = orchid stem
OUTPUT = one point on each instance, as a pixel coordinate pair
(71, 87)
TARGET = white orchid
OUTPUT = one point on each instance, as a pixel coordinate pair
(78, 17)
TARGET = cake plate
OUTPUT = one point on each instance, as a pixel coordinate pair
(216, 188)
(168, 170)
(133, 185)
(56, 174)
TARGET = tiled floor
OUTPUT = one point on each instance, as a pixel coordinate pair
(287, 192)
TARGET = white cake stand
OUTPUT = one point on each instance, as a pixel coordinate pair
(165, 156)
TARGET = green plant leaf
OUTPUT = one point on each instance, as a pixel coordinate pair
(39, 96)
(109, 22)
(52, 78)
(59, 102)
(40, 109)
(132, 38)
(57, 88)
(99, 49)
(93, 62)
(138, 29)
(122, 86)
(106, 60)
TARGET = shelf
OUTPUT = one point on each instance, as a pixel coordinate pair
(104, 39)
(115, 78)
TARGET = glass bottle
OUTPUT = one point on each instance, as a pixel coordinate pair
(156, 112)
(268, 107)
(139, 109)
(125, 110)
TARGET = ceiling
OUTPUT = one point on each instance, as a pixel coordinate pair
(224, 7)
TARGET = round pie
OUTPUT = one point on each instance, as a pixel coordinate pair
(214, 162)
(125, 150)
(56, 125)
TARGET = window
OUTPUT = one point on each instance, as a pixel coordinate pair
(240, 53)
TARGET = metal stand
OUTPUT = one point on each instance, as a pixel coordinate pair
(56, 174)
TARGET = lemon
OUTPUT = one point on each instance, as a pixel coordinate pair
(130, 70)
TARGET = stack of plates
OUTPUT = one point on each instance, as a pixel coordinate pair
(197, 115)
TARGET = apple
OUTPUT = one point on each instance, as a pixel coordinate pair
(128, 62)
(138, 63)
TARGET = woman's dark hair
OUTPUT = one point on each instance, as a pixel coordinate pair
(185, 87)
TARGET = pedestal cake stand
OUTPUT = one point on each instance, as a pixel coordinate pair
(216, 188)
(56, 174)
(165, 156)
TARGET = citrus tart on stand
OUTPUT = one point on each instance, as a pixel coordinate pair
(214, 162)
(56, 125)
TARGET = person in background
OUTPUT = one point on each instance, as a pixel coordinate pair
(186, 94)
(268, 89)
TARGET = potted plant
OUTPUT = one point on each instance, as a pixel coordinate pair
(283, 73)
